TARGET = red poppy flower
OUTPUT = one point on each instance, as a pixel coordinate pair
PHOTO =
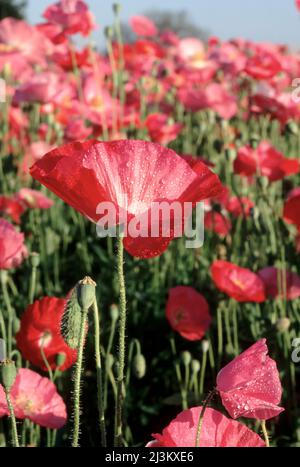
(263, 65)
(291, 212)
(12, 208)
(266, 161)
(129, 174)
(12, 248)
(280, 283)
(239, 207)
(217, 223)
(143, 26)
(36, 399)
(160, 130)
(73, 15)
(240, 284)
(40, 330)
(298, 4)
(188, 313)
(250, 386)
(217, 432)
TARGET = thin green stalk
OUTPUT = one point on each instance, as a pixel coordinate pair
(77, 380)
(14, 432)
(201, 418)
(99, 373)
(10, 312)
(265, 433)
(32, 284)
(202, 372)
(122, 344)
(108, 352)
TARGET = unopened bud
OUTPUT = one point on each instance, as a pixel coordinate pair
(205, 346)
(86, 293)
(16, 325)
(196, 366)
(293, 128)
(8, 374)
(254, 140)
(139, 366)
(186, 358)
(283, 324)
(60, 359)
(109, 33)
(114, 313)
(117, 8)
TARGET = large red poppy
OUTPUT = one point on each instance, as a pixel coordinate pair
(250, 386)
(188, 313)
(240, 284)
(40, 330)
(217, 432)
(129, 174)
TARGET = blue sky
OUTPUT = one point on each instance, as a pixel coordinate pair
(261, 20)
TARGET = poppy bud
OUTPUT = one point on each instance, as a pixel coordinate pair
(117, 8)
(186, 358)
(60, 359)
(254, 141)
(110, 361)
(292, 128)
(71, 320)
(205, 346)
(86, 292)
(114, 313)
(35, 260)
(16, 325)
(8, 374)
(196, 366)
(139, 366)
(109, 33)
(283, 324)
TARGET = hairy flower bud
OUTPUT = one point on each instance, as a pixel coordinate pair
(86, 292)
(139, 366)
(186, 358)
(114, 313)
(8, 374)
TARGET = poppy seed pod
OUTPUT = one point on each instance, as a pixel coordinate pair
(186, 358)
(139, 366)
(35, 260)
(8, 374)
(86, 293)
(205, 346)
(117, 8)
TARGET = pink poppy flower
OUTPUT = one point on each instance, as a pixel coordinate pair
(274, 282)
(263, 65)
(33, 153)
(188, 313)
(143, 26)
(24, 39)
(12, 248)
(250, 386)
(217, 432)
(73, 15)
(298, 4)
(34, 199)
(191, 51)
(239, 283)
(36, 399)
(131, 175)
(265, 160)
(42, 88)
(160, 130)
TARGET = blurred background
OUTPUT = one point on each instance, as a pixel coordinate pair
(270, 20)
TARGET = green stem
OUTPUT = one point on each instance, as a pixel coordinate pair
(12, 417)
(32, 285)
(265, 432)
(122, 344)
(99, 373)
(10, 312)
(77, 380)
(201, 418)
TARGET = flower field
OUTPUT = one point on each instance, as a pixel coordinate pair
(149, 237)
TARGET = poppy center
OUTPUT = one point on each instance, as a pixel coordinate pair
(179, 316)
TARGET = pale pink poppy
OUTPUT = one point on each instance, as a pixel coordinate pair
(143, 26)
(34, 199)
(19, 36)
(217, 432)
(12, 248)
(250, 386)
(36, 399)
(191, 50)
(34, 152)
(280, 283)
